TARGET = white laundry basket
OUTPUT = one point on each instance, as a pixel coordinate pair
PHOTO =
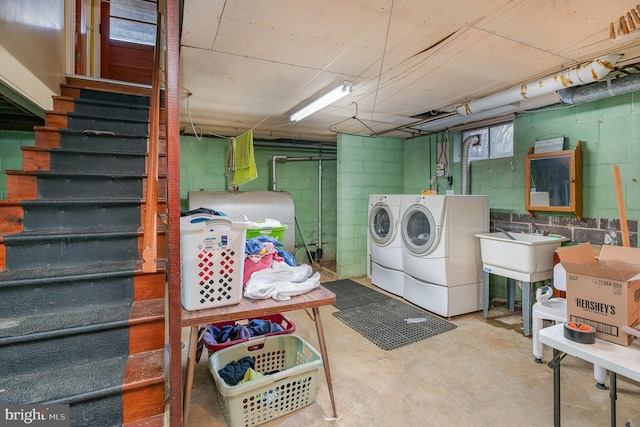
(212, 261)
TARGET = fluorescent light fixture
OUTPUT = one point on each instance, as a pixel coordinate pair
(329, 98)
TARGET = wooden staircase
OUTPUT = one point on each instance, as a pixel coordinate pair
(80, 323)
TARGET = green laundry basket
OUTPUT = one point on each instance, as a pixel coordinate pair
(291, 385)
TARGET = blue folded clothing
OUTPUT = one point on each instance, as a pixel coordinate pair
(256, 327)
(234, 371)
(262, 327)
(255, 245)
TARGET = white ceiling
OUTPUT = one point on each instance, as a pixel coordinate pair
(249, 64)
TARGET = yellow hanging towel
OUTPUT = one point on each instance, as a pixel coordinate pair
(245, 164)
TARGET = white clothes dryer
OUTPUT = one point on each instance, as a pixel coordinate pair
(385, 247)
(440, 254)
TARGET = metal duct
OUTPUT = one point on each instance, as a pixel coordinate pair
(464, 161)
(600, 90)
(579, 75)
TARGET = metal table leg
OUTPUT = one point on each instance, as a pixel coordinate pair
(511, 294)
(485, 294)
(613, 396)
(325, 358)
(527, 288)
(555, 365)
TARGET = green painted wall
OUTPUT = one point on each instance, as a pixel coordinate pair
(419, 169)
(366, 166)
(11, 155)
(610, 134)
(202, 166)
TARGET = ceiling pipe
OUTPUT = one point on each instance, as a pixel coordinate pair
(587, 72)
(292, 159)
(600, 90)
(459, 119)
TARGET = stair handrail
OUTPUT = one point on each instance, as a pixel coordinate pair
(150, 238)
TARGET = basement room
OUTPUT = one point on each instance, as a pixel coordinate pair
(285, 213)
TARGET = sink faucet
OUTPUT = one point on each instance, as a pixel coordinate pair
(534, 229)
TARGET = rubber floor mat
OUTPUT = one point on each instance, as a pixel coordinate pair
(352, 294)
(392, 324)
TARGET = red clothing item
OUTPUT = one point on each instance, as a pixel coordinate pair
(251, 266)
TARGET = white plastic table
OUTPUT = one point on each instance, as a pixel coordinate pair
(613, 357)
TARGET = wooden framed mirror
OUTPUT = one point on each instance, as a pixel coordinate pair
(553, 181)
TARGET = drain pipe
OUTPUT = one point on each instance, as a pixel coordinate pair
(309, 158)
(466, 145)
(319, 247)
(273, 170)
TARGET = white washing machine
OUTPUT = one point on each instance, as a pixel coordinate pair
(440, 253)
(385, 247)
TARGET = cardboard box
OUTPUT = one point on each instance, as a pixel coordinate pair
(604, 293)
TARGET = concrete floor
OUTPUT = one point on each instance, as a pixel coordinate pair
(480, 374)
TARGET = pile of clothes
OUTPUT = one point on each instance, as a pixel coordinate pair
(210, 335)
(241, 371)
(271, 272)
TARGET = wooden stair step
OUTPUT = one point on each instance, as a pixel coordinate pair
(30, 248)
(96, 395)
(146, 286)
(75, 84)
(43, 159)
(39, 158)
(143, 386)
(12, 211)
(30, 185)
(63, 104)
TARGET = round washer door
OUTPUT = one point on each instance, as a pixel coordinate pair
(381, 224)
(418, 230)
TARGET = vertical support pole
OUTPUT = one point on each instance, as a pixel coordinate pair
(485, 294)
(613, 396)
(527, 288)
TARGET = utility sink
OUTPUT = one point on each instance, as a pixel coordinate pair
(526, 257)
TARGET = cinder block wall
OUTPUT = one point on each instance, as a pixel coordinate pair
(202, 166)
(366, 166)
